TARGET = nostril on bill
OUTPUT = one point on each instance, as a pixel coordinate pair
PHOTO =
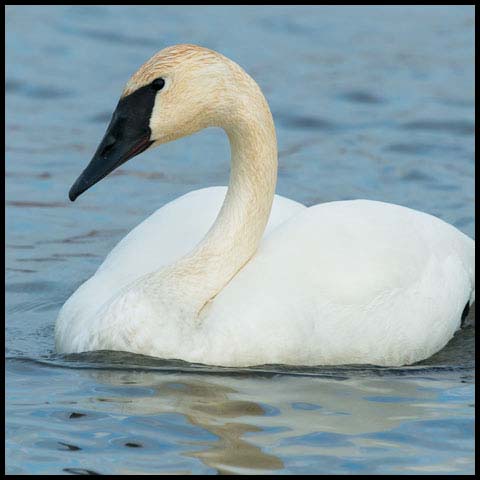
(109, 143)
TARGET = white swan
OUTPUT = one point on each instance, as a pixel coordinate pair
(202, 280)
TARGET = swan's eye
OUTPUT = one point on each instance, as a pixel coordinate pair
(158, 84)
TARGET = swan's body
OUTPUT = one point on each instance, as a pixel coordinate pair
(342, 282)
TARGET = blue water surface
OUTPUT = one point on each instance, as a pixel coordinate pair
(369, 102)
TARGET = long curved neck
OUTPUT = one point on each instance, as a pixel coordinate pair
(236, 233)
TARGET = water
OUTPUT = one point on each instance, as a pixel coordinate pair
(369, 102)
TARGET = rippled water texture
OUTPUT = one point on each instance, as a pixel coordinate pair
(369, 102)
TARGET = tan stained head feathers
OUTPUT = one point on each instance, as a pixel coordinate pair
(166, 60)
(202, 89)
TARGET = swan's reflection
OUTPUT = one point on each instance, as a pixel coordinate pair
(210, 406)
(254, 417)
(207, 404)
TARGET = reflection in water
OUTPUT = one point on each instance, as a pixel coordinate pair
(127, 419)
(259, 422)
(206, 404)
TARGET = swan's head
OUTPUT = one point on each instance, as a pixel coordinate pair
(179, 91)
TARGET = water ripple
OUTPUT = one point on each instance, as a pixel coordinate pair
(458, 127)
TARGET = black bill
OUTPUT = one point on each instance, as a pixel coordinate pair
(127, 135)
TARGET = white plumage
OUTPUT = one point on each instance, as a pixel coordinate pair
(337, 283)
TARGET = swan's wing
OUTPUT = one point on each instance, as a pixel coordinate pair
(348, 282)
(174, 229)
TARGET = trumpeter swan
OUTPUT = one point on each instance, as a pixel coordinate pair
(220, 276)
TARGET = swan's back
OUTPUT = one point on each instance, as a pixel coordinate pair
(357, 280)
